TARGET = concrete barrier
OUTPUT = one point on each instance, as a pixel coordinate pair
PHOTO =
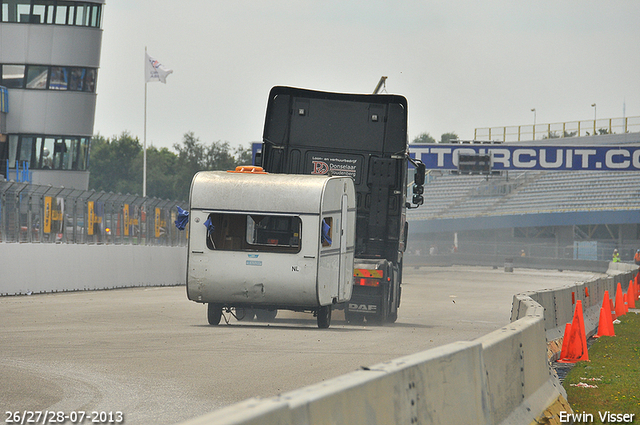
(40, 268)
(445, 385)
(559, 303)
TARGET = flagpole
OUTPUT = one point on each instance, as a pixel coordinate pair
(144, 146)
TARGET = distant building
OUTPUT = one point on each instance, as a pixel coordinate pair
(49, 60)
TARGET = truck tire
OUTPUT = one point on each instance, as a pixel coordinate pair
(214, 314)
(324, 316)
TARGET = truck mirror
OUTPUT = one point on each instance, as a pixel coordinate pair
(420, 172)
(418, 199)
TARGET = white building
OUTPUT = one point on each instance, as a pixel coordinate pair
(49, 60)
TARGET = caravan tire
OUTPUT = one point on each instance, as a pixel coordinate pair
(265, 315)
(214, 313)
(324, 316)
(245, 314)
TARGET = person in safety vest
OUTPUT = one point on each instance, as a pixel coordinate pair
(616, 256)
(636, 258)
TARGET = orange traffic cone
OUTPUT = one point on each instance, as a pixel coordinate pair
(612, 309)
(576, 339)
(632, 294)
(605, 324)
(565, 341)
(631, 298)
(620, 311)
(628, 299)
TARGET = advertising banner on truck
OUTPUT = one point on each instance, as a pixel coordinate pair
(523, 158)
(335, 165)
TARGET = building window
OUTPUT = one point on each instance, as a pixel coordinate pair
(49, 152)
(37, 77)
(26, 150)
(13, 150)
(59, 78)
(58, 12)
(13, 76)
(43, 11)
(89, 81)
(62, 13)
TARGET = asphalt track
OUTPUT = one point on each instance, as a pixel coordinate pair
(149, 353)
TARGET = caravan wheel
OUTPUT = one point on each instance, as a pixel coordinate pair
(214, 313)
(265, 315)
(324, 316)
(246, 314)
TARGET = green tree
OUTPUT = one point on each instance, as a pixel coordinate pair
(161, 171)
(243, 156)
(448, 137)
(112, 164)
(116, 164)
(423, 139)
(194, 156)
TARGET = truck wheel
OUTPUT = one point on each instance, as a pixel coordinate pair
(324, 316)
(392, 317)
(214, 313)
(265, 315)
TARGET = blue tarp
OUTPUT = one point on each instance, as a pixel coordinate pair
(210, 227)
(183, 218)
(325, 232)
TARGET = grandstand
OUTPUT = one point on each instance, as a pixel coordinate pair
(561, 208)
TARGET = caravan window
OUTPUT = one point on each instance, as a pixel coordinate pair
(253, 232)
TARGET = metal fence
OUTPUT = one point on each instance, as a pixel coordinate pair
(576, 250)
(558, 130)
(45, 214)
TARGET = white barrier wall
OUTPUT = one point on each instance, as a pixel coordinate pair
(559, 303)
(35, 268)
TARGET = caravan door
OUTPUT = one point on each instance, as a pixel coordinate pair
(345, 266)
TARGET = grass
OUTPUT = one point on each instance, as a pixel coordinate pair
(614, 368)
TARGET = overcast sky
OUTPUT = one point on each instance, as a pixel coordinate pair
(461, 64)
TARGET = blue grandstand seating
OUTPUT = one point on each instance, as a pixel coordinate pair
(458, 196)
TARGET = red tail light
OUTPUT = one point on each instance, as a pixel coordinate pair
(363, 281)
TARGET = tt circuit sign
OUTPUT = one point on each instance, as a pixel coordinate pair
(518, 157)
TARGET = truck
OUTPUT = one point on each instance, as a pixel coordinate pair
(364, 137)
(260, 242)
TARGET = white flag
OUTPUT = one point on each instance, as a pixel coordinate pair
(154, 71)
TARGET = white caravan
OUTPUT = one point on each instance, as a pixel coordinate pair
(259, 242)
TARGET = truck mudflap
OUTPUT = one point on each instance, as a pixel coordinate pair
(372, 304)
